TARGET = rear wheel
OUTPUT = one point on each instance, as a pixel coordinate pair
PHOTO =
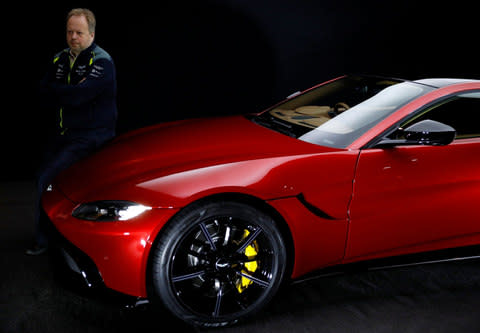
(217, 263)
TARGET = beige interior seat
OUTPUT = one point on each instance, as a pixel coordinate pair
(313, 110)
(308, 115)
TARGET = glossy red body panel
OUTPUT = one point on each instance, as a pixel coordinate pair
(191, 149)
(378, 202)
(438, 188)
(318, 242)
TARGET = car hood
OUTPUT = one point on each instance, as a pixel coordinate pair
(172, 148)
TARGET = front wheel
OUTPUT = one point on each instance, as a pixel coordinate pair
(218, 262)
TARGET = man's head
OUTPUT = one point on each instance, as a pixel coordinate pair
(80, 29)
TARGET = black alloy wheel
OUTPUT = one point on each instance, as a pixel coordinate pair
(217, 263)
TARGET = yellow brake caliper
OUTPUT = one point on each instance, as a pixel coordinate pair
(250, 267)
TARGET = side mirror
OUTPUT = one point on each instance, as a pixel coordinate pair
(425, 132)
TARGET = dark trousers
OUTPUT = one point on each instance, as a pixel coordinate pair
(61, 152)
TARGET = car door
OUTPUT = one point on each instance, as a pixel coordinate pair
(417, 197)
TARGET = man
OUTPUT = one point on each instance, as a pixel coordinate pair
(80, 85)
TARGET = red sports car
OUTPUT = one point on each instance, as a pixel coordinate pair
(209, 216)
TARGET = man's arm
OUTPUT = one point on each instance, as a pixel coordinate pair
(100, 77)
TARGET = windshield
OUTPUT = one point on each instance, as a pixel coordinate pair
(337, 113)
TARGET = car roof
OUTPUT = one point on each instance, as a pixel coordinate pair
(440, 82)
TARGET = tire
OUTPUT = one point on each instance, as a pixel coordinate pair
(217, 263)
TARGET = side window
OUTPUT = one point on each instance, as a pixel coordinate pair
(462, 112)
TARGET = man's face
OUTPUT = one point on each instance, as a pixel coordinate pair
(78, 36)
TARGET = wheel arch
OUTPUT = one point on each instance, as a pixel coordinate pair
(242, 198)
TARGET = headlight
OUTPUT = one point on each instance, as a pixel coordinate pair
(109, 210)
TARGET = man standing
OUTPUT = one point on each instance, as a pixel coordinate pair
(80, 85)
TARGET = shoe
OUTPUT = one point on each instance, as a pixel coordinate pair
(36, 250)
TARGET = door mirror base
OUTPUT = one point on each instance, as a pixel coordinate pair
(426, 132)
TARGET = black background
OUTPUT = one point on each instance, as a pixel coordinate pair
(198, 58)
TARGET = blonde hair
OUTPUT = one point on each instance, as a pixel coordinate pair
(89, 16)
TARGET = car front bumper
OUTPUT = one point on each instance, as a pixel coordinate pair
(111, 253)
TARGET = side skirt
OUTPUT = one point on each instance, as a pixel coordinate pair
(425, 258)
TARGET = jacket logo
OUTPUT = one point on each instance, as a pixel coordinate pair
(60, 73)
(97, 71)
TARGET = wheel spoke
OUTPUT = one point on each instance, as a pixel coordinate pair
(237, 299)
(187, 276)
(226, 237)
(195, 254)
(208, 236)
(251, 237)
(218, 302)
(261, 283)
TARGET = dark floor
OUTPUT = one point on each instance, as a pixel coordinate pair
(433, 298)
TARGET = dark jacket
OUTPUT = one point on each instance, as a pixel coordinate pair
(87, 104)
